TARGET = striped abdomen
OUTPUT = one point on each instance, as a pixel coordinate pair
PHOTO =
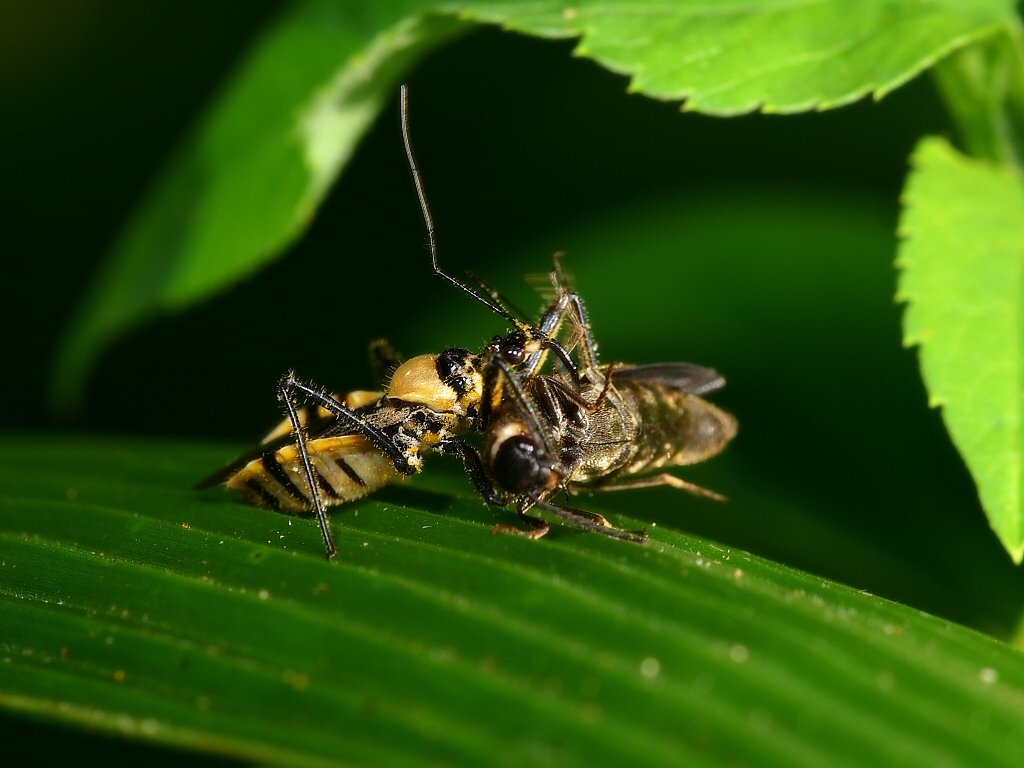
(677, 428)
(642, 427)
(347, 468)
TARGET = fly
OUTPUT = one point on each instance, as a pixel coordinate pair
(620, 429)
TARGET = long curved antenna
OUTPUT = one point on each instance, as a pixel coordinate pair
(429, 220)
(497, 297)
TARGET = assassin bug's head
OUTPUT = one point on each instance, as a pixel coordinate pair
(515, 347)
(512, 348)
(446, 383)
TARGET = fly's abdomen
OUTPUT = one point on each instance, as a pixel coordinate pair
(677, 428)
(346, 468)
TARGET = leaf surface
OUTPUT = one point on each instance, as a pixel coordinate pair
(735, 56)
(961, 263)
(135, 605)
(247, 181)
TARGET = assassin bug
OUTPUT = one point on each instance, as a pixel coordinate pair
(337, 449)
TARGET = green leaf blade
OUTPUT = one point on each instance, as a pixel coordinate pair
(961, 278)
(247, 182)
(735, 57)
(136, 605)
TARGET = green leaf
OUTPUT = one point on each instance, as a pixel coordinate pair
(134, 605)
(961, 263)
(248, 180)
(736, 56)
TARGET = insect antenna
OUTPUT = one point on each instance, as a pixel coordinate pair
(497, 296)
(429, 220)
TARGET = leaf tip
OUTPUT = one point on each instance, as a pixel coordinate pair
(1016, 553)
(70, 370)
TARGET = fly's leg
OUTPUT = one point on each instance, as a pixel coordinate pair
(287, 389)
(656, 480)
(475, 469)
(538, 527)
(588, 350)
(608, 371)
(548, 326)
(591, 521)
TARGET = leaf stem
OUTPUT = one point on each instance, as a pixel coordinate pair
(983, 87)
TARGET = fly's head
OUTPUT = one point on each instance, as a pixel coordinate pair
(519, 462)
(447, 383)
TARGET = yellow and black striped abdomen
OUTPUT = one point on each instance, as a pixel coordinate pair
(347, 468)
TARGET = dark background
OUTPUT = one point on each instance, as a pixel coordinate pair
(840, 467)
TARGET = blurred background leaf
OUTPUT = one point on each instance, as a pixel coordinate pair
(249, 178)
(134, 606)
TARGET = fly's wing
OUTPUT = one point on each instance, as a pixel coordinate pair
(684, 377)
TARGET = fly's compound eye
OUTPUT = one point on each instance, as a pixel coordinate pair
(520, 467)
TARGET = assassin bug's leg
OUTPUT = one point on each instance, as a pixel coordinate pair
(516, 394)
(475, 469)
(299, 430)
(484, 486)
(290, 384)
